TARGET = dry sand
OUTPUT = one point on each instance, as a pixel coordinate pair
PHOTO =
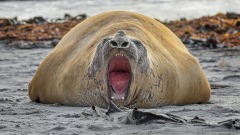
(18, 115)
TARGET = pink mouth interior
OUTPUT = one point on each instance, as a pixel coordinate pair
(119, 73)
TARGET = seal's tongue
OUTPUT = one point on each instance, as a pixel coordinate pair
(119, 73)
(119, 81)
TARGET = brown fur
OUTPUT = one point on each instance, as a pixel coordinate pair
(175, 76)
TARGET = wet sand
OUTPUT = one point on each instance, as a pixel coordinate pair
(18, 115)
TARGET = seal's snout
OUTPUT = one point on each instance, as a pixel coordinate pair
(120, 40)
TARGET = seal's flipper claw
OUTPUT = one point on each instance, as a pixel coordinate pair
(93, 112)
(93, 107)
(112, 108)
(96, 111)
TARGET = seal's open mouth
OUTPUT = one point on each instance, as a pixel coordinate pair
(119, 77)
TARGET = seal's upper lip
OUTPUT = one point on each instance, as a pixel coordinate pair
(119, 76)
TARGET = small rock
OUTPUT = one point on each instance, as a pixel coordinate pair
(81, 16)
(67, 16)
(7, 22)
(55, 41)
(232, 15)
(37, 19)
(24, 45)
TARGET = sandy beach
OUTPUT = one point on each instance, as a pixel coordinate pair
(21, 116)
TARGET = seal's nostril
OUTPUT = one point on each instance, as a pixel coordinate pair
(113, 43)
(125, 44)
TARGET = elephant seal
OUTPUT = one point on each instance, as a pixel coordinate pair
(124, 57)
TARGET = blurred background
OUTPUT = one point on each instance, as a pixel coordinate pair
(161, 9)
(30, 29)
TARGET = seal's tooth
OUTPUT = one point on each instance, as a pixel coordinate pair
(122, 97)
(112, 97)
(118, 54)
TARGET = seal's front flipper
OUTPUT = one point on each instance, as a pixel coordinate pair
(112, 108)
(176, 118)
(232, 123)
(139, 117)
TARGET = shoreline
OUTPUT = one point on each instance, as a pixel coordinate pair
(218, 31)
(163, 9)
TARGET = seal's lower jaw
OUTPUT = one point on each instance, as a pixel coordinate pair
(119, 77)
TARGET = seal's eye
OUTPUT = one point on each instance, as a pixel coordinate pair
(137, 43)
(105, 40)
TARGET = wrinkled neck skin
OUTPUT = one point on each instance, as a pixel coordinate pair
(120, 66)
